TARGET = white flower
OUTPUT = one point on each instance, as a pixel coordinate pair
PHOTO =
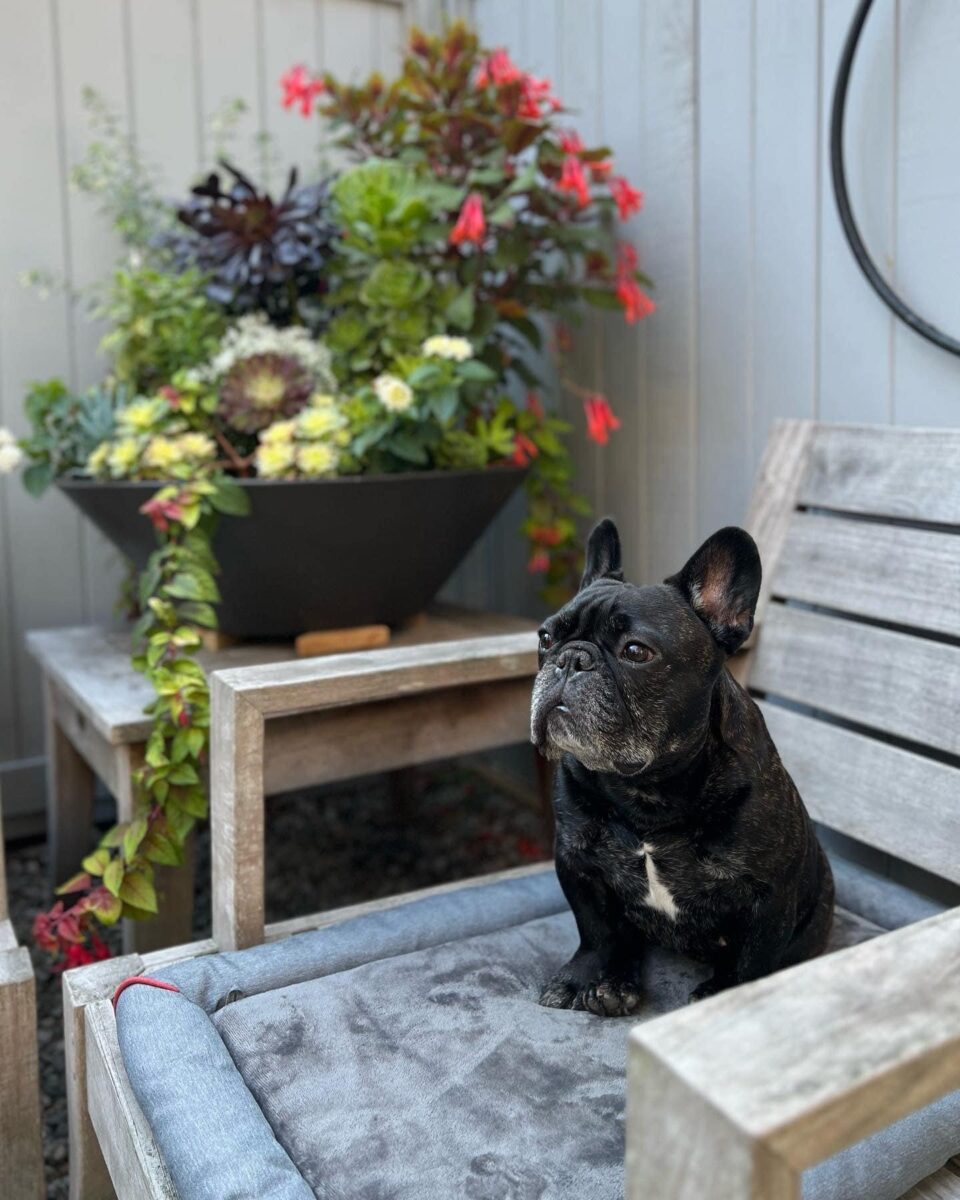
(279, 431)
(442, 346)
(253, 334)
(318, 422)
(11, 456)
(393, 393)
(274, 459)
(317, 459)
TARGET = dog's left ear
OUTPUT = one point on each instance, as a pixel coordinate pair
(721, 582)
(603, 554)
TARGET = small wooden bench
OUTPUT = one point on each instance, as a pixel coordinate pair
(857, 666)
(21, 1151)
(97, 728)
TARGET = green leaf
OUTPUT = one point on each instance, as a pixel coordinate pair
(38, 477)
(444, 404)
(138, 891)
(230, 497)
(424, 375)
(194, 803)
(408, 448)
(460, 311)
(96, 863)
(162, 850)
(196, 740)
(133, 837)
(197, 585)
(183, 774)
(198, 613)
(600, 298)
(477, 372)
(113, 877)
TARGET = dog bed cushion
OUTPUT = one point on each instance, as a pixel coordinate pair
(402, 1055)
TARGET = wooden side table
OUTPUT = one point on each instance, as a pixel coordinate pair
(96, 727)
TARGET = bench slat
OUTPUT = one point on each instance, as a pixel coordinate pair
(899, 802)
(905, 576)
(892, 682)
(885, 471)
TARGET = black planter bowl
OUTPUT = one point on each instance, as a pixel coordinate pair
(324, 553)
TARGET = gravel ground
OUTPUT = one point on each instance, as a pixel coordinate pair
(341, 845)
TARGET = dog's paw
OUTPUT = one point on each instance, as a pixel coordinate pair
(560, 992)
(612, 998)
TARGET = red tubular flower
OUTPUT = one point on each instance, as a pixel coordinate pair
(546, 535)
(600, 418)
(524, 449)
(627, 199)
(534, 93)
(570, 142)
(572, 179)
(499, 69)
(626, 258)
(600, 170)
(471, 224)
(538, 563)
(635, 301)
(300, 89)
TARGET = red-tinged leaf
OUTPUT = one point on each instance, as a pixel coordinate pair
(76, 883)
(106, 907)
(114, 837)
(133, 837)
(138, 891)
(160, 849)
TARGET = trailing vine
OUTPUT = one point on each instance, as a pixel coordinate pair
(177, 597)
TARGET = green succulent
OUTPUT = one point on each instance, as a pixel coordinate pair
(66, 428)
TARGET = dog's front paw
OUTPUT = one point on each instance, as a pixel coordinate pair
(612, 998)
(560, 991)
(608, 997)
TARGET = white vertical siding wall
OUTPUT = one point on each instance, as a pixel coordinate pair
(719, 109)
(167, 66)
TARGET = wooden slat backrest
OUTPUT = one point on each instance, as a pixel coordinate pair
(857, 658)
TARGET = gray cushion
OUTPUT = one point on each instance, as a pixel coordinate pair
(404, 1056)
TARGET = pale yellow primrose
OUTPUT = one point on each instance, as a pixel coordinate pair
(393, 393)
(317, 458)
(274, 458)
(443, 346)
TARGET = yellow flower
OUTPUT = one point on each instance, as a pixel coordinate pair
(97, 461)
(274, 458)
(141, 416)
(442, 346)
(393, 393)
(162, 453)
(318, 422)
(277, 433)
(123, 457)
(322, 400)
(197, 446)
(317, 459)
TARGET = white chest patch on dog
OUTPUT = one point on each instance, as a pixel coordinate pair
(658, 894)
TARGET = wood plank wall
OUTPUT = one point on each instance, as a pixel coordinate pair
(719, 110)
(167, 66)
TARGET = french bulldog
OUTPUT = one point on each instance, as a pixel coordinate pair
(677, 824)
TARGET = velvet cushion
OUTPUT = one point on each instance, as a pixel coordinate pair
(407, 1058)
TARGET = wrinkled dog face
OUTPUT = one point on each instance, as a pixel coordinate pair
(626, 672)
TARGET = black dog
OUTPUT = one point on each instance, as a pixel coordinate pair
(677, 823)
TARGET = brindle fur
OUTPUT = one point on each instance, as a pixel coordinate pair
(671, 755)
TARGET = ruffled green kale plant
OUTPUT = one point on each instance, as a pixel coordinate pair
(481, 214)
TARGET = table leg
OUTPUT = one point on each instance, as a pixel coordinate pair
(70, 792)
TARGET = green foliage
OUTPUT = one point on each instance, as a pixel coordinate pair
(160, 323)
(66, 428)
(113, 172)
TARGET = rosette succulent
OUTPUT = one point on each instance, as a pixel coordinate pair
(261, 389)
(257, 253)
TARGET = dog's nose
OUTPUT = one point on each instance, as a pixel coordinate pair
(577, 657)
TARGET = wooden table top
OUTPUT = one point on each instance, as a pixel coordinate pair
(91, 664)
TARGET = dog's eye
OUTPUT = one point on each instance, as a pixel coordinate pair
(636, 652)
(546, 640)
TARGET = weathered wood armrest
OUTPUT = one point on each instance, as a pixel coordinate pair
(748, 1089)
(365, 712)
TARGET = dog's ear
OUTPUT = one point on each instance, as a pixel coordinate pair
(721, 582)
(603, 554)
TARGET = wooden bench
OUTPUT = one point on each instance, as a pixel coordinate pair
(858, 669)
(21, 1151)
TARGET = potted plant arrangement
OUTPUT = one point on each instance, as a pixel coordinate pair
(328, 371)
